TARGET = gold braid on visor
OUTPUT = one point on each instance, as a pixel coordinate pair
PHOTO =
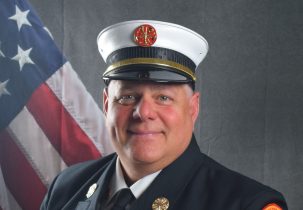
(152, 61)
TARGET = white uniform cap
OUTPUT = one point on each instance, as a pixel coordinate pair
(169, 35)
(187, 46)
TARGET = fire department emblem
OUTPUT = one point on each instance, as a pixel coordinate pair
(145, 35)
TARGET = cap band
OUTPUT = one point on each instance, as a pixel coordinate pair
(150, 52)
(151, 61)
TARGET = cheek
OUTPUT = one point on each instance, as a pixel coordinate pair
(117, 118)
(173, 117)
(113, 113)
(179, 127)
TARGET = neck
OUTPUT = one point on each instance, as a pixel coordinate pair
(135, 172)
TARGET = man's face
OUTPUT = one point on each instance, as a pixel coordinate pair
(150, 123)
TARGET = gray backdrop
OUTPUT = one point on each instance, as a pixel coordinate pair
(251, 81)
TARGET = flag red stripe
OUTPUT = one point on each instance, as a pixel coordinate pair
(62, 130)
(20, 178)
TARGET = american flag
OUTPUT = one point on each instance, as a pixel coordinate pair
(48, 120)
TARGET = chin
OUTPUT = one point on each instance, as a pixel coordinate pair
(145, 157)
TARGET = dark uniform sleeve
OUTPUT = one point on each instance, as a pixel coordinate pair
(267, 200)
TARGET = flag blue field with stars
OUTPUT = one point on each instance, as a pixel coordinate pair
(28, 56)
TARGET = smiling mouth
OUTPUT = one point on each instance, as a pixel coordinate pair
(144, 133)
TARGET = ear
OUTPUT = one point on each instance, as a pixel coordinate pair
(195, 106)
(105, 101)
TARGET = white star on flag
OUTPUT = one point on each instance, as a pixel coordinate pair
(49, 33)
(20, 17)
(3, 90)
(23, 57)
(1, 53)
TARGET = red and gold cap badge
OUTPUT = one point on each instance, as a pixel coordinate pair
(145, 35)
(272, 206)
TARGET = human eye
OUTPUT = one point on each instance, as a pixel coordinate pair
(126, 99)
(164, 99)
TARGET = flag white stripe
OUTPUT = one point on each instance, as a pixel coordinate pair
(7, 201)
(67, 86)
(36, 147)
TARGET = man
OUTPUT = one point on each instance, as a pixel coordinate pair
(151, 108)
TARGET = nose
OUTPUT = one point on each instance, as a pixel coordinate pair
(144, 110)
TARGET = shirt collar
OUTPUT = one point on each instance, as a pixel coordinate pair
(118, 182)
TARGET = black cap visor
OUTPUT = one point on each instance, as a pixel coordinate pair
(148, 72)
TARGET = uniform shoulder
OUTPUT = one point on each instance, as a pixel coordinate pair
(70, 180)
(219, 173)
(250, 192)
(83, 170)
